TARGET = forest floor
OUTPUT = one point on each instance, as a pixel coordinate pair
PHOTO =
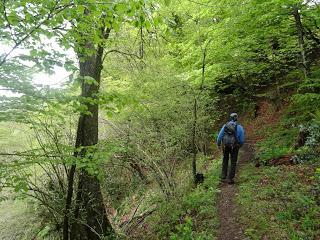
(17, 220)
(230, 227)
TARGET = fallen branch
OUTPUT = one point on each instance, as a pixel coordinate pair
(139, 219)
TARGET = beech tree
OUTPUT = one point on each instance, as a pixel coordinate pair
(84, 26)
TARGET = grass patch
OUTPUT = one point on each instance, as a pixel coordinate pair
(279, 142)
(280, 202)
(17, 220)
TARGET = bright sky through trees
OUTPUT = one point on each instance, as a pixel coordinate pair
(55, 80)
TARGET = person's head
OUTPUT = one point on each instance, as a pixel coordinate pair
(233, 117)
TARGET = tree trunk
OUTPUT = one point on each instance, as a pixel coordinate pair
(194, 133)
(67, 212)
(300, 32)
(91, 218)
(196, 176)
(141, 47)
(204, 54)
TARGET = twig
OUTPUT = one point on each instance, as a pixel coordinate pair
(133, 215)
(132, 55)
(6, 18)
(141, 217)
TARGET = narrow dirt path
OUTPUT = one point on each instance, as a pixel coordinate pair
(230, 228)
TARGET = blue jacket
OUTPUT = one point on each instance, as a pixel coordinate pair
(240, 135)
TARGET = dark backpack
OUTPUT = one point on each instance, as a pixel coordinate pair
(230, 134)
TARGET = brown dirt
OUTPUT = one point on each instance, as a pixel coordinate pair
(230, 227)
(267, 116)
(283, 160)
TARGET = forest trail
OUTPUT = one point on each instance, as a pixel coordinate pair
(230, 228)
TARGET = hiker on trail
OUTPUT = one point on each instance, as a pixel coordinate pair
(231, 137)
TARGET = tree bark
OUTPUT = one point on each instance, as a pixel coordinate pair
(195, 118)
(141, 48)
(300, 32)
(194, 133)
(68, 203)
(91, 218)
(71, 175)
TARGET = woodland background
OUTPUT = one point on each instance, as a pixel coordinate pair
(113, 152)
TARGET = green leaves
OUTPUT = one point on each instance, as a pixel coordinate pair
(167, 2)
(121, 8)
(90, 80)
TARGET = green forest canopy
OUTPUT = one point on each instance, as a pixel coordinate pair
(157, 77)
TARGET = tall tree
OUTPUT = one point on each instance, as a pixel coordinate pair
(84, 26)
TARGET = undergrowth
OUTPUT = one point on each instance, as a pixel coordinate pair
(193, 213)
(280, 202)
(280, 141)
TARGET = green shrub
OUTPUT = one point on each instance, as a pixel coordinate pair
(184, 231)
(191, 214)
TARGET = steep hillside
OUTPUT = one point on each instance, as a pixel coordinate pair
(279, 194)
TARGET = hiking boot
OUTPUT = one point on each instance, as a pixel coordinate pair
(231, 181)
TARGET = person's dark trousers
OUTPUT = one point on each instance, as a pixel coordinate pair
(233, 153)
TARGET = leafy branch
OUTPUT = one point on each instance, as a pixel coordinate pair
(52, 13)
